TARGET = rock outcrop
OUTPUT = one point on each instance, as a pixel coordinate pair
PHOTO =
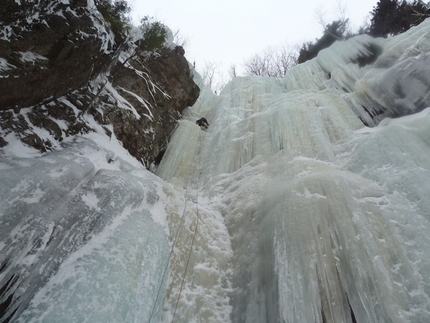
(62, 66)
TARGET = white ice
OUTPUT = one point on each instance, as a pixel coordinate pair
(327, 219)
(83, 233)
(286, 209)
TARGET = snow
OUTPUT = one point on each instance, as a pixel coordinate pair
(301, 213)
(141, 101)
(39, 12)
(120, 101)
(17, 148)
(4, 65)
(31, 57)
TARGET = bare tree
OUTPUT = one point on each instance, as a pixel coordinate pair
(260, 64)
(180, 39)
(274, 62)
(213, 76)
(341, 9)
(320, 15)
(232, 71)
(286, 57)
(208, 73)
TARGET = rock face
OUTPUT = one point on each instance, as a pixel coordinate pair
(61, 66)
(43, 47)
(176, 90)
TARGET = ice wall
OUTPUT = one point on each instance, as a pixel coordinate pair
(326, 218)
(83, 236)
(287, 209)
(378, 78)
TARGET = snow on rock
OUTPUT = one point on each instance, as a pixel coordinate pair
(119, 83)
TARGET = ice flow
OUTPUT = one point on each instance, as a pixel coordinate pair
(306, 200)
(327, 219)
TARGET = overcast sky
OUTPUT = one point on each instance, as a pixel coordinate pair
(230, 31)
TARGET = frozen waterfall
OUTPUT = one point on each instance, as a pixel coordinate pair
(286, 209)
(328, 220)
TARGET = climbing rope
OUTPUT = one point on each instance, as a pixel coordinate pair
(194, 235)
(191, 249)
(166, 267)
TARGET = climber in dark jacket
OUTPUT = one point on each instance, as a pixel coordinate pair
(202, 123)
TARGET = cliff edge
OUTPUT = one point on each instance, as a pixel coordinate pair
(64, 65)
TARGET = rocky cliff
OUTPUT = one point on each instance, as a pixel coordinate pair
(63, 66)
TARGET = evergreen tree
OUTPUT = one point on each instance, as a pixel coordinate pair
(154, 34)
(383, 18)
(334, 31)
(391, 17)
(116, 13)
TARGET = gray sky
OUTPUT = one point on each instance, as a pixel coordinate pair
(230, 31)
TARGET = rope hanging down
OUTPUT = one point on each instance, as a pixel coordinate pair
(191, 249)
(174, 243)
(171, 252)
(194, 235)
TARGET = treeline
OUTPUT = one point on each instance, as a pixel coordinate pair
(388, 18)
(117, 14)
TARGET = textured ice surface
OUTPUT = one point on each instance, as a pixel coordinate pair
(286, 209)
(80, 241)
(327, 219)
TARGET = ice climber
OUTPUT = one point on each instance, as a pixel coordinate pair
(202, 123)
